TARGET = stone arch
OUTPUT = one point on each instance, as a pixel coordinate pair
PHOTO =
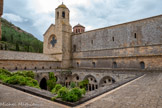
(93, 84)
(67, 81)
(142, 65)
(105, 81)
(43, 83)
(75, 79)
(63, 14)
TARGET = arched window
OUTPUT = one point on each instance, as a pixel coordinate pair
(76, 31)
(135, 35)
(16, 68)
(115, 65)
(91, 41)
(113, 38)
(63, 14)
(94, 64)
(142, 65)
(74, 48)
(25, 68)
(77, 78)
(43, 67)
(57, 15)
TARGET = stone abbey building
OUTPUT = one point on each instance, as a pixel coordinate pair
(103, 55)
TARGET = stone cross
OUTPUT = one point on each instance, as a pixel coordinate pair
(53, 41)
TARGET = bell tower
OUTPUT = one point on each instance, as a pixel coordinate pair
(62, 19)
(62, 15)
(57, 39)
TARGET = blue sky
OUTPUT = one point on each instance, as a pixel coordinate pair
(35, 16)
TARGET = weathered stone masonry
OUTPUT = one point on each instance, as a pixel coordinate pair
(126, 44)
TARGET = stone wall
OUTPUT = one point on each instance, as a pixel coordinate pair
(151, 62)
(13, 55)
(28, 65)
(138, 33)
(126, 44)
(12, 60)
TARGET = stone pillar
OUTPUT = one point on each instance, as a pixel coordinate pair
(1, 12)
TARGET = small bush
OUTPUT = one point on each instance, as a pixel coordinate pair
(83, 83)
(57, 88)
(62, 93)
(72, 95)
(5, 72)
(72, 85)
(32, 82)
(83, 90)
(3, 77)
(52, 81)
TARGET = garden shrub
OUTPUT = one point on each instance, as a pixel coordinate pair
(57, 88)
(62, 93)
(5, 72)
(77, 91)
(72, 85)
(32, 82)
(52, 81)
(83, 83)
(71, 95)
(83, 90)
(3, 77)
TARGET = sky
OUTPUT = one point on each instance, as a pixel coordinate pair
(35, 16)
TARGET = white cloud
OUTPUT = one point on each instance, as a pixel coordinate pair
(13, 18)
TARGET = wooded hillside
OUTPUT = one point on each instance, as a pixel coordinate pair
(16, 39)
